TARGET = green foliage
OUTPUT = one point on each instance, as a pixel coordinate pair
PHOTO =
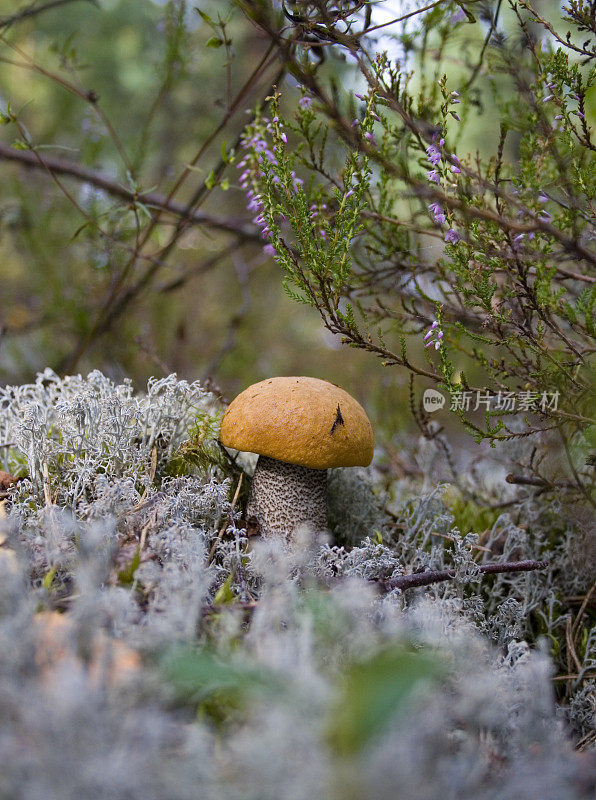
(219, 689)
(202, 448)
(508, 288)
(374, 690)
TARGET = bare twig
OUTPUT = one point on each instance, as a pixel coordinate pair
(571, 653)
(582, 608)
(33, 10)
(436, 576)
(226, 525)
(46, 485)
(521, 480)
(152, 200)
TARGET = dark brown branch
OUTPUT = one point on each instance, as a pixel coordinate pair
(436, 576)
(150, 199)
(408, 581)
(33, 10)
(521, 480)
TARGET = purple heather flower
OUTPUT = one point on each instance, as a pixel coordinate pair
(323, 234)
(454, 115)
(434, 156)
(454, 94)
(542, 198)
(544, 215)
(349, 193)
(355, 123)
(441, 142)
(275, 119)
(559, 116)
(519, 237)
(284, 138)
(431, 331)
(438, 213)
(370, 138)
(580, 114)
(305, 103)
(455, 169)
(296, 182)
(531, 235)
(359, 96)
(457, 16)
(547, 98)
(455, 102)
(269, 250)
(433, 176)
(452, 236)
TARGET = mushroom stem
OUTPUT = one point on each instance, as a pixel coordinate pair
(283, 496)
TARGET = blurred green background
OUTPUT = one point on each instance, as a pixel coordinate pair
(163, 88)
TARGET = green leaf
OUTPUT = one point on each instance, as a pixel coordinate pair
(211, 180)
(49, 578)
(374, 691)
(205, 17)
(201, 676)
(225, 593)
(127, 575)
(214, 41)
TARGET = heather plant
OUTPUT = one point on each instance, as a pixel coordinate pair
(473, 271)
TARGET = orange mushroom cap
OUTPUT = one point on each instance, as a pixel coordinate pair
(299, 420)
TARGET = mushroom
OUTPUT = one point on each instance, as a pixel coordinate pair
(299, 427)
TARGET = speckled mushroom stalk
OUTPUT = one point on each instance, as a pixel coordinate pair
(284, 496)
(300, 427)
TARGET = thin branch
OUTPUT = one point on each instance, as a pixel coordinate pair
(521, 480)
(478, 67)
(437, 576)
(33, 10)
(408, 581)
(152, 200)
(226, 524)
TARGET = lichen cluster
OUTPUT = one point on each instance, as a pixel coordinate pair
(264, 671)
